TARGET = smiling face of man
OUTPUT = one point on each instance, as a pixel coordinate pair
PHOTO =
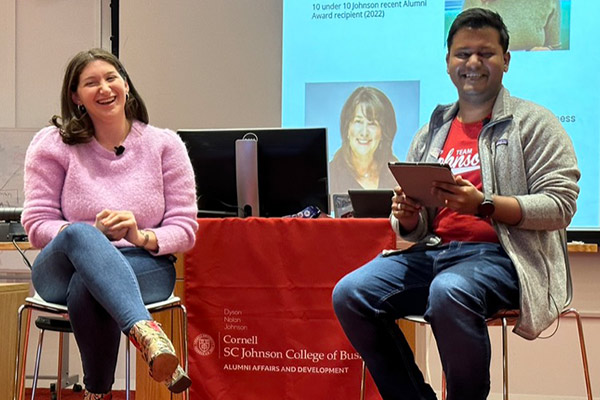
(476, 64)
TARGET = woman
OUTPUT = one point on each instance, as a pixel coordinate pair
(368, 127)
(109, 199)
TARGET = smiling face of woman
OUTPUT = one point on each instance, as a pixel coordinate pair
(102, 91)
(364, 135)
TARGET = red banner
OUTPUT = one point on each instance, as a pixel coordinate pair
(261, 324)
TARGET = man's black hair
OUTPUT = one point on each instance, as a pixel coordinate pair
(477, 18)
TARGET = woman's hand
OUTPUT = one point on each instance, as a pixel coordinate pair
(405, 210)
(117, 225)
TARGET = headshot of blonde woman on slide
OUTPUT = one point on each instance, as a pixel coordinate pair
(367, 127)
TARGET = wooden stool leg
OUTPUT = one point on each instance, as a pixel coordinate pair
(183, 341)
(443, 386)
(584, 359)
(127, 368)
(37, 364)
(61, 342)
(504, 359)
(363, 379)
(21, 359)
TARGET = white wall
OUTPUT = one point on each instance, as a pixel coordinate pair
(7, 63)
(205, 64)
(42, 38)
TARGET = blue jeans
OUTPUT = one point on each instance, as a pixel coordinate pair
(456, 286)
(105, 290)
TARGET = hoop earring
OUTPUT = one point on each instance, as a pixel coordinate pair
(127, 96)
(81, 109)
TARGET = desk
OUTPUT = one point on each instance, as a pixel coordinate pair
(11, 246)
(260, 320)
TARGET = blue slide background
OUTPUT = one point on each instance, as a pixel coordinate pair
(402, 51)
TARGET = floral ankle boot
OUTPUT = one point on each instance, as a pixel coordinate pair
(96, 396)
(156, 349)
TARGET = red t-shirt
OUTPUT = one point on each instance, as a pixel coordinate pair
(462, 153)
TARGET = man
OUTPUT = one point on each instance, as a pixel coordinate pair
(497, 243)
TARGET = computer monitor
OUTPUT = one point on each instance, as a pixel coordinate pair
(292, 169)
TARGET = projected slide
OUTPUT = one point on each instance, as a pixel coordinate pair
(332, 48)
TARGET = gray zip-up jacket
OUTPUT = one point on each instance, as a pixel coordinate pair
(525, 153)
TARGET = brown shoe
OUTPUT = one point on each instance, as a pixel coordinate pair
(156, 349)
(96, 396)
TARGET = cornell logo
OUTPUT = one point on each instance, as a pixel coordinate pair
(204, 344)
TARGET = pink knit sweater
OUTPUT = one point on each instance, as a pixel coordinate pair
(153, 178)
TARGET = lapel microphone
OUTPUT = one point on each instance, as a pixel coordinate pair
(119, 150)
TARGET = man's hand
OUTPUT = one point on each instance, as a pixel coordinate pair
(405, 209)
(463, 197)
